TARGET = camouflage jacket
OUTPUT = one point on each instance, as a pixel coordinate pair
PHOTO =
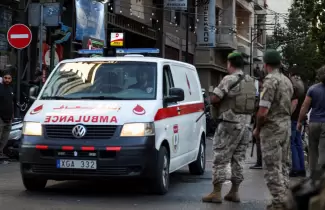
(276, 95)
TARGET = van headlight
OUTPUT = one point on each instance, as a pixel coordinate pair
(138, 129)
(32, 129)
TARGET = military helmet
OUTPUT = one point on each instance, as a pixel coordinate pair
(234, 54)
(272, 57)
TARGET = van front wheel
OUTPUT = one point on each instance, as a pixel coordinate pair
(198, 166)
(160, 183)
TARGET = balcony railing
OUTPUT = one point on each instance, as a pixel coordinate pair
(259, 4)
(226, 38)
(258, 54)
(131, 25)
(244, 45)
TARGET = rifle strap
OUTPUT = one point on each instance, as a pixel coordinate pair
(241, 77)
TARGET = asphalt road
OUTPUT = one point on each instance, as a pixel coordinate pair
(185, 193)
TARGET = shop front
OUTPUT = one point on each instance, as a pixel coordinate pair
(8, 55)
(87, 21)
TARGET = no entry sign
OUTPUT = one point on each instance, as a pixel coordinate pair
(19, 36)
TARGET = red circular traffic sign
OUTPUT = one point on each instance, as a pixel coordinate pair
(19, 36)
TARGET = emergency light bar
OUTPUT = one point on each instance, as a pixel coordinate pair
(137, 51)
(121, 51)
(94, 51)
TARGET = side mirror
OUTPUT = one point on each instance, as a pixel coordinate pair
(33, 92)
(175, 95)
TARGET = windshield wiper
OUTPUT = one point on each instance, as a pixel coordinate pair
(103, 98)
(56, 98)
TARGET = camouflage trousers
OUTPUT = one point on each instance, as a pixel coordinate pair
(229, 146)
(275, 141)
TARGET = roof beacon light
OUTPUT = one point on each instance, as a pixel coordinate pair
(133, 55)
(93, 51)
(137, 51)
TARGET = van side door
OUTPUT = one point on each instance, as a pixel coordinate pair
(188, 108)
(174, 123)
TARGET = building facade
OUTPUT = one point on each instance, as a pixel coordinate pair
(8, 17)
(139, 20)
(239, 25)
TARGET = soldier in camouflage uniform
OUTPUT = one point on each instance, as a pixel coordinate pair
(274, 129)
(232, 134)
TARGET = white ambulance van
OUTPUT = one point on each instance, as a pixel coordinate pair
(109, 117)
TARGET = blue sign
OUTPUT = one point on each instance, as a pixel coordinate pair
(137, 50)
(90, 20)
(122, 51)
(86, 51)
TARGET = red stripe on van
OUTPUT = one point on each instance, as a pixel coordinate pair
(169, 112)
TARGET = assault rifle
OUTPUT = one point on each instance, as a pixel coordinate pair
(253, 145)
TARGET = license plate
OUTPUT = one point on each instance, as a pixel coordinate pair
(77, 164)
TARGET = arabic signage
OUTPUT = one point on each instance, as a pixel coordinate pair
(176, 4)
(114, 107)
(206, 36)
(117, 39)
(90, 20)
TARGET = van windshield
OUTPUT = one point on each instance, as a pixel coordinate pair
(109, 80)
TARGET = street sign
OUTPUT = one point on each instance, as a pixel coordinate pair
(19, 36)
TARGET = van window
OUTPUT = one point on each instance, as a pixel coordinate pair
(167, 80)
(120, 80)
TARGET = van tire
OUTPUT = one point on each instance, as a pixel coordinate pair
(198, 166)
(160, 182)
(34, 184)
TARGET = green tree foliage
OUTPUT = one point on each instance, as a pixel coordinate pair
(299, 41)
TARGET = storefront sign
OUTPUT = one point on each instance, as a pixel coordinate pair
(90, 20)
(176, 4)
(206, 36)
(117, 39)
(58, 55)
(92, 43)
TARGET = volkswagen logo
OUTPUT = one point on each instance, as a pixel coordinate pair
(79, 131)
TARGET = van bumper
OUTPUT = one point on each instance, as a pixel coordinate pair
(117, 157)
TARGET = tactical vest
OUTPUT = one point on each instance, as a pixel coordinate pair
(241, 102)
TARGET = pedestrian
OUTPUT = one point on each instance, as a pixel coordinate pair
(233, 102)
(1, 72)
(38, 77)
(6, 111)
(315, 100)
(273, 128)
(297, 150)
(259, 162)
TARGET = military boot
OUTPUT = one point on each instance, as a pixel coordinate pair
(214, 196)
(233, 193)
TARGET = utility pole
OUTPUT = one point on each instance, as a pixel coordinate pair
(20, 59)
(187, 31)
(252, 45)
(251, 51)
(160, 42)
